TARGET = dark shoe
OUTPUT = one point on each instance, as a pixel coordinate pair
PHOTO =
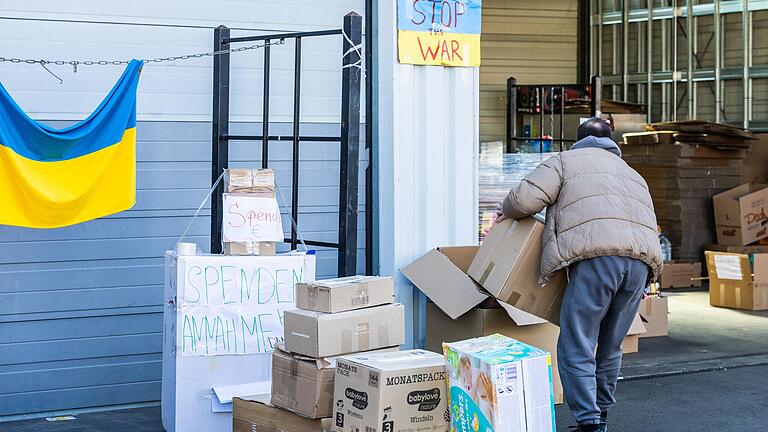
(586, 428)
(603, 421)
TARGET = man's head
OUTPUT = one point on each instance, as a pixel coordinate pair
(595, 127)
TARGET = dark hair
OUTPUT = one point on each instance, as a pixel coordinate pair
(595, 127)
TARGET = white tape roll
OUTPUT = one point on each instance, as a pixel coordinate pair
(186, 248)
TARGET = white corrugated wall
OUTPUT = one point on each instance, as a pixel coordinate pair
(427, 149)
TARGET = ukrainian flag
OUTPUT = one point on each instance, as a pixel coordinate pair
(52, 178)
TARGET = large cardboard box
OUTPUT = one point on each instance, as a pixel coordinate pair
(343, 294)
(498, 383)
(508, 266)
(319, 334)
(487, 321)
(391, 392)
(654, 312)
(302, 384)
(255, 414)
(680, 275)
(733, 283)
(740, 214)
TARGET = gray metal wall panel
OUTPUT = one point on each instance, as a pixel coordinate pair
(81, 306)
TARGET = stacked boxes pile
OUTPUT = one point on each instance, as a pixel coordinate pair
(336, 316)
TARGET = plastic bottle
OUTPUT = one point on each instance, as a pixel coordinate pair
(666, 247)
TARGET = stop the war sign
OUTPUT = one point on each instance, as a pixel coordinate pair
(251, 219)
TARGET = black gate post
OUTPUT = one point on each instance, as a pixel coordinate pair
(511, 114)
(219, 143)
(350, 143)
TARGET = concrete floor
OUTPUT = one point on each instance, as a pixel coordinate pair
(709, 374)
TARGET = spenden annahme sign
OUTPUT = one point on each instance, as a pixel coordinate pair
(439, 32)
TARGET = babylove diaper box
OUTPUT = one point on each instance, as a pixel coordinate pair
(498, 384)
(401, 391)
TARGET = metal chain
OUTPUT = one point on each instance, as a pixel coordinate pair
(76, 63)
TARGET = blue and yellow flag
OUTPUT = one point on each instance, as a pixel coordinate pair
(51, 178)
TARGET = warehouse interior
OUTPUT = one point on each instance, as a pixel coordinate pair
(659, 61)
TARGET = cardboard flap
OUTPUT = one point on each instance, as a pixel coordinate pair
(444, 283)
(637, 326)
(520, 317)
(460, 256)
(225, 394)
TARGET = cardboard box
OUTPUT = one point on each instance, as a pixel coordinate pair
(740, 214)
(498, 383)
(487, 321)
(343, 294)
(319, 334)
(508, 266)
(249, 248)
(259, 182)
(391, 392)
(255, 414)
(654, 313)
(680, 275)
(630, 345)
(302, 384)
(734, 284)
(254, 182)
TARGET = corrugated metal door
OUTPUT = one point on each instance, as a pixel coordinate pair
(531, 40)
(80, 307)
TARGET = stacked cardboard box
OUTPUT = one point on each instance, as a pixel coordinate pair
(255, 413)
(246, 182)
(740, 214)
(338, 316)
(397, 391)
(683, 176)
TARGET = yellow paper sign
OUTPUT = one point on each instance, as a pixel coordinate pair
(439, 33)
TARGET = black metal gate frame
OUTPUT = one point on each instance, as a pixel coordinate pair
(349, 139)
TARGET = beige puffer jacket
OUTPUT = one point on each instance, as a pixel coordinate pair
(596, 206)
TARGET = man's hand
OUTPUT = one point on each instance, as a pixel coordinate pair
(499, 214)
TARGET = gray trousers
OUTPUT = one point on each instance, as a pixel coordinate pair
(600, 302)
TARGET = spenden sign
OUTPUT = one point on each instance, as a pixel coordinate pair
(251, 219)
(439, 32)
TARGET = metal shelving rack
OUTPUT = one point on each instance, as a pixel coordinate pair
(681, 71)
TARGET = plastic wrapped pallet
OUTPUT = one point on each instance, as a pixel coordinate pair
(498, 173)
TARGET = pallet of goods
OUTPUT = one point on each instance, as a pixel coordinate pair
(686, 164)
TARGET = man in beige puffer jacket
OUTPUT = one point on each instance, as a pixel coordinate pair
(601, 227)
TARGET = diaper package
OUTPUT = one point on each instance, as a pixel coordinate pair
(498, 384)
